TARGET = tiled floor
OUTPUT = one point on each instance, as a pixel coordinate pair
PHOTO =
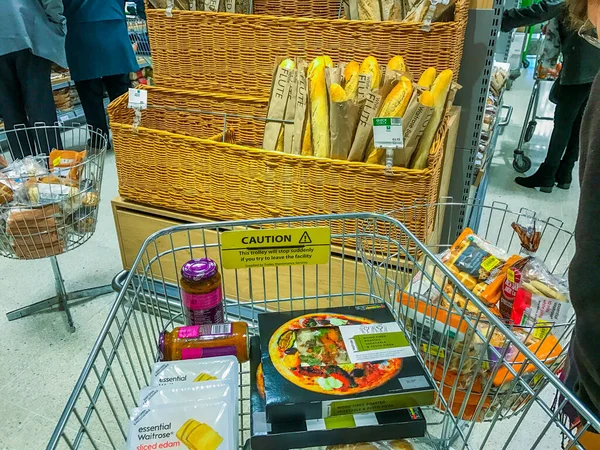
(41, 360)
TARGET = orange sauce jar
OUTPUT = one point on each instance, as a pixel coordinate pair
(201, 292)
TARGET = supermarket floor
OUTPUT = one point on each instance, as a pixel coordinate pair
(41, 360)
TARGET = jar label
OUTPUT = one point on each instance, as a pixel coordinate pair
(211, 352)
(195, 331)
(202, 301)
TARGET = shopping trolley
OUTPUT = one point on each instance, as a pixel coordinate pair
(51, 206)
(138, 35)
(547, 68)
(373, 257)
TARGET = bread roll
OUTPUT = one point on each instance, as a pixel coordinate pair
(369, 10)
(397, 63)
(439, 90)
(359, 446)
(6, 194)
(427, 78)
(370, 66)
(401, 445)
(351, 79)
(319, 111)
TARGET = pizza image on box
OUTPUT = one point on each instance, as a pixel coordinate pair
(309, 351)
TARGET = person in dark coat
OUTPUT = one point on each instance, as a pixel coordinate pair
(32, 37)
(581, 62)
(99, 53)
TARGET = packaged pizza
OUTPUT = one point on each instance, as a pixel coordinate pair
(311, 433)
(338, 361)
(196, 370)
(196, 425)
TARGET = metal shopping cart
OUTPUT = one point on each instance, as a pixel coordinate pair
(547, 68)
(372, 260)
(49, 201)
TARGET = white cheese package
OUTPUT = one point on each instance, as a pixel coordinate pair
(184, 393)
(195, 426)
(196, 370)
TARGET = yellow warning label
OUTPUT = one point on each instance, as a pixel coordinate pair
(277, 247)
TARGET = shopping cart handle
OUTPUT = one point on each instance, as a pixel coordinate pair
(119, 280)
(506, 121)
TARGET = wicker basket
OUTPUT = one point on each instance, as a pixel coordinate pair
(324, 9)
(235, 53)
(161, 166)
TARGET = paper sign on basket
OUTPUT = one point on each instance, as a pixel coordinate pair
(138, 98)
(375, 342)
(387, 132)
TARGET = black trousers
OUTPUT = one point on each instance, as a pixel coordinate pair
(26, 99)
(563, 150)
(91, 93)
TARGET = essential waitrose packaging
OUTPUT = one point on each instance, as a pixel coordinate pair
(398, 424)
(338, 361)
(183, 393)
(196, 370)
(196, 426)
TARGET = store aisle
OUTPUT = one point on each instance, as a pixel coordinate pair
(41, 360)
(560, 204)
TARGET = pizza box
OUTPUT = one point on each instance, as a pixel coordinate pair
(339, 361)
(389, 425)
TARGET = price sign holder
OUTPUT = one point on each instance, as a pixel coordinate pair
(388, 134)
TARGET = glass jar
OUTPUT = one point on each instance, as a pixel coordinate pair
(201, 292)
(205, 341)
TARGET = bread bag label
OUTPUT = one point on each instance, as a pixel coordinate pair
(212, 5)
(290, 114)
(364, 129)
(364, 86)
(418, 117)
(279, 97)
(230, 6)
(301, 107)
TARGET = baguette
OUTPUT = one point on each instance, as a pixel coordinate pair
(427, 78)
(370, 66)
(369, 10)
(307, 140)
(324, 61)
(439, 90)
(287, 64)
(351, 79)
(394, 106)
(397, 63)
(426, 99)
(337, 93)
(319, 111)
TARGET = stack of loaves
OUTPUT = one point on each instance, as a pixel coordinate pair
(326, 110)
(34, 232)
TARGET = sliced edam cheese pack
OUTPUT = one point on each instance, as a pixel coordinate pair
(183, 393)
(198, 426)
(196, 370)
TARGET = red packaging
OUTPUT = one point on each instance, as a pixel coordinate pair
(510, 287)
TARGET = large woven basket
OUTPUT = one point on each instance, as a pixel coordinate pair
(324, 9)
(235, 53)
(175, 168)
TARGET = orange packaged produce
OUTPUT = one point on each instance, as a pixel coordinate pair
(205, 341)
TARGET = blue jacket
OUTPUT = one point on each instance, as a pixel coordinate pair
(37, 25)
(98, 43)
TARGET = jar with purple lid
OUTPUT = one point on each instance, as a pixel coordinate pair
(201, 292)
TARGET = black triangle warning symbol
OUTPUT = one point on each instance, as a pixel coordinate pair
(305, 238)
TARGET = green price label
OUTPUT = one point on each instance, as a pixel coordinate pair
(380, 341)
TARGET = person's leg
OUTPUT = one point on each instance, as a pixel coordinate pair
(117, 85)
(567, 109)
(34, 73)
(564, 174)
(91, 93)
(12, 106)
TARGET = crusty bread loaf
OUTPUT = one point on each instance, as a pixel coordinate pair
(427, 78)
(6, 194)
(439, 90)
(287, 64)
(324, 61)
(401, 445)
(351, 79)
(370, 66)
(397, 63)
(369, 10)
(337, 93)
(319, 111)
(359, 446)
(426, 99)
(307, 140)
(397, 100)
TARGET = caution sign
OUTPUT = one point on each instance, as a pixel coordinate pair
(279, 247)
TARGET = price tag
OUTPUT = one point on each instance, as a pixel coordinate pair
(63, 118)
(138, 98)
(387, 132)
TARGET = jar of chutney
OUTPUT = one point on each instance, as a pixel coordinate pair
(201, 292)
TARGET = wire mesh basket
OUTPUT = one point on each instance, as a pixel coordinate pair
(97, 413)
(50, 189)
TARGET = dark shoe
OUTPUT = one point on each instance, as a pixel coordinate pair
(537, 180)
(564, 175)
